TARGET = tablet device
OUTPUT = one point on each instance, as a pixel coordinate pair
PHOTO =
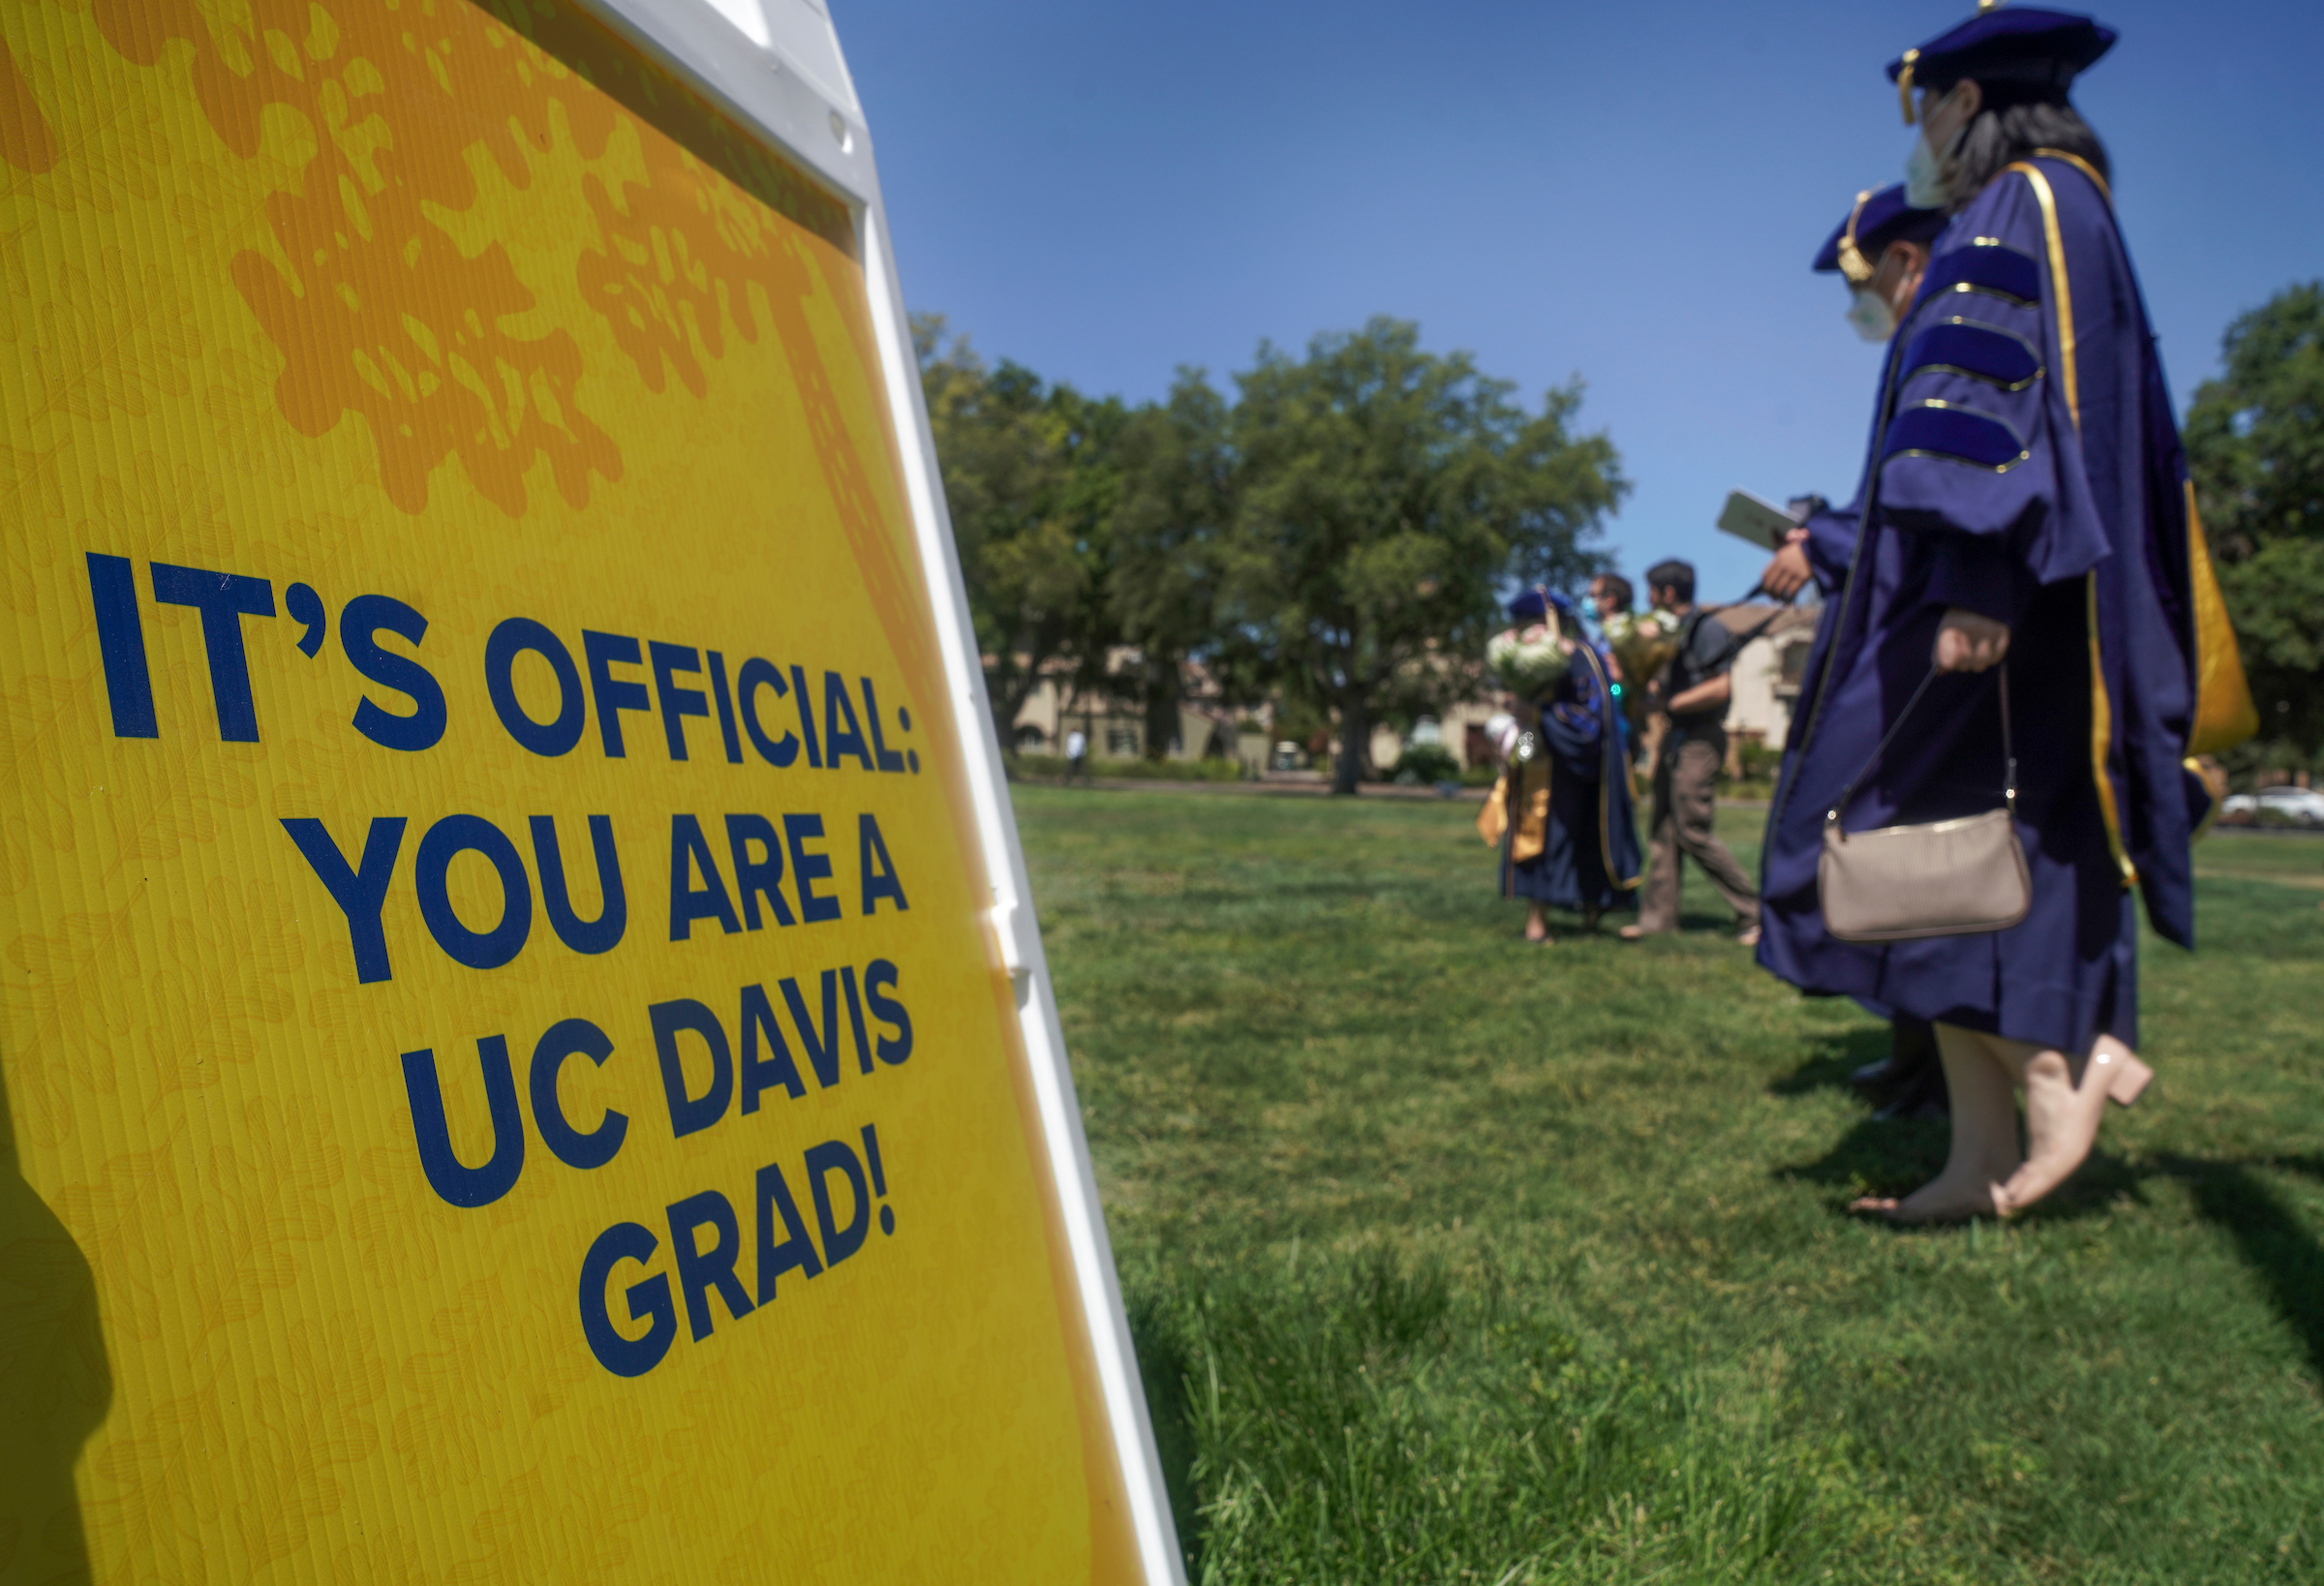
(1761, 522)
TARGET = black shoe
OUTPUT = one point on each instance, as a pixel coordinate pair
(1923, 1097)
(1911, 1064)
(1873, 1078)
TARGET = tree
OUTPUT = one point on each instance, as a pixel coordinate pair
(2255, 444)
(1165, 541)
(1031, 483)
(1385, 497)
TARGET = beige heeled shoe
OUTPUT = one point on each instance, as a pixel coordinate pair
(2062, 1117)
(2126, 1076)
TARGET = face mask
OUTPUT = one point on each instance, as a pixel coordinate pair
(1870, 317)
(1924, 175)
(1926, 185)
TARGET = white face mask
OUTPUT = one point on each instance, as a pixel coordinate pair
(1927, 183)
(1925, 186)
(1870, 317)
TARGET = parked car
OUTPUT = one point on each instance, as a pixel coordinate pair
(2298, 805)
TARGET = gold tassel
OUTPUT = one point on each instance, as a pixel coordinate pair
(1852, 264)
(1493, 819)
(1529, 809)
(1904, 84)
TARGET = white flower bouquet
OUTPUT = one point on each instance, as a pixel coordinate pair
(1529, 660)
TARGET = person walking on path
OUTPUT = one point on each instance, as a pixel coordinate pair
(1077, 756)
(1697, 687)
(2026, 497)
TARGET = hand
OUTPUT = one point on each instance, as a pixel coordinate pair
(1967, 642)
(1788, 573)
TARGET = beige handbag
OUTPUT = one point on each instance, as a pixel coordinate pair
(1943, 878)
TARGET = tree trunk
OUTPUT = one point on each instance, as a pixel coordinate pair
(1004, 718)
(1355, 742)
(1006, 691)
(1161, 706)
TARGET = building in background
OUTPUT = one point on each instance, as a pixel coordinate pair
(1208, 728)
(1766, 677)
(1766, 681)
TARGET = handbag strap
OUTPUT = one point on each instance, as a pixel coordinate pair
(1831, 816)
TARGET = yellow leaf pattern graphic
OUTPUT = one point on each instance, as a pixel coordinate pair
(465, 305)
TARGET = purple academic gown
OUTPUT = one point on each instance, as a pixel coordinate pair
(1589, 856)
(2024, 465)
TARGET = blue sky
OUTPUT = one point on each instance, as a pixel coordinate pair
(1629, 193)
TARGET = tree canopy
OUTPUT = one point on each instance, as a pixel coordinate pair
(1167, 542)
(1030, 480)
(2255, 444)
(1342, 531)
(1388, 497)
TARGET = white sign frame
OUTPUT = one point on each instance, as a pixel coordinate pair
(776, 67)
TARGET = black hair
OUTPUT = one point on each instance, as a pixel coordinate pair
(2011, 128)
(1673, 575)
(1619, 587)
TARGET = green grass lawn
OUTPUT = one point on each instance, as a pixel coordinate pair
(1452, 1259)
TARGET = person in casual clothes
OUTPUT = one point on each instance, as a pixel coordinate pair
(1610, 595)
(2026, 497)
(1695, 691)
(1076, 756)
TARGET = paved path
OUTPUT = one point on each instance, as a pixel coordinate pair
(1314, 789)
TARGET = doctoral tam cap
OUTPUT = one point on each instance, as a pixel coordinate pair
(1529, 606)
(1877, 220)
(2015, 52)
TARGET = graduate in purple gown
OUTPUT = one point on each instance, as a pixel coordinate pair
(1571, 840)
(1880, 250)
(2025, 497)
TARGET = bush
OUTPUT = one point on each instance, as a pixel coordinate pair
(1037, 767)
(1760, 760)
(1425, 763)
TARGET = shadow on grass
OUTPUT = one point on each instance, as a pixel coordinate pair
(1896, 1158)
(2268, 1235)
(1164, 1365)
(2308, 1167)
(1879, 1156)
(1834, 1057)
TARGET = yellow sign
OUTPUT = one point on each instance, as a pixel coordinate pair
(506, 1072)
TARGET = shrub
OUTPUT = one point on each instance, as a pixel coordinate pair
(1049, 767)
(1760, 760)
(1424, 762)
